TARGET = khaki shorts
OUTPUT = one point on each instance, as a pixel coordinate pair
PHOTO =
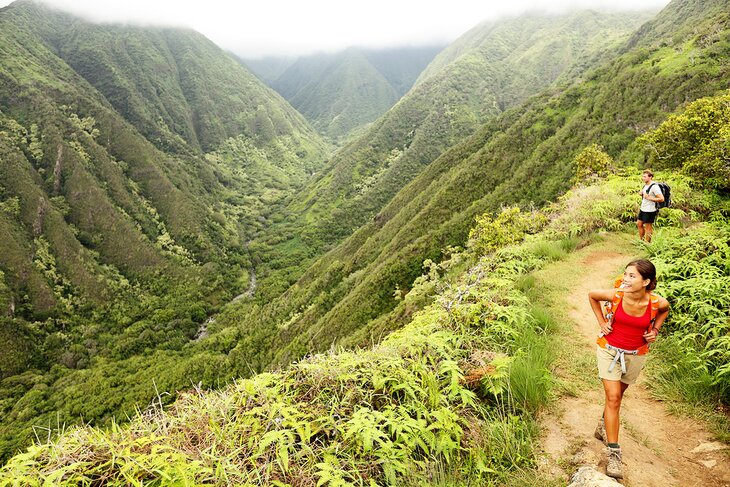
(634, 365)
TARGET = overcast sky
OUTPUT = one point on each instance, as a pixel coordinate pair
(256, 28)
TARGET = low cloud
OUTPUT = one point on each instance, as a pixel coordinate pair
(289, 27)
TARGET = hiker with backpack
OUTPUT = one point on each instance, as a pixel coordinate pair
(651, 199)
(632, 321)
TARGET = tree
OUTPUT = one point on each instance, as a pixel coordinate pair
(592, 162)
(696, 141)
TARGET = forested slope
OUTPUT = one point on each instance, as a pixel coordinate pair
(342, 92)
(346, 94)
(174, 85)
(134, 166)
(436, 114)
(492, 68)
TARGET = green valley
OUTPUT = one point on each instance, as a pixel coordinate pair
(451, 396)
(356, 283)
(129, 193)
(199, 275)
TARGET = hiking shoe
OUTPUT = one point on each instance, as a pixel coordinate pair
(600, 432)
(613, 466)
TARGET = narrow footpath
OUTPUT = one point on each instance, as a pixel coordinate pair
(659, 449)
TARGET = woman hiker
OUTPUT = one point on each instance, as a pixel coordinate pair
(633, 323)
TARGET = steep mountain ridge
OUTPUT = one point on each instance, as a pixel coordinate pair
(493, 68)
(402, 66)
(436, 114)
(342, 92)
(337, 95)
(160, 80)
(156, 80)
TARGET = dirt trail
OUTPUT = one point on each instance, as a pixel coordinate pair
(659, 449)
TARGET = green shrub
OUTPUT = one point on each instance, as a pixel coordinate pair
(510, 226)
(592, 163)
(695, 141)
(695, 278)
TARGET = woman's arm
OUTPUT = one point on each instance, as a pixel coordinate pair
(658, 321)
(594, 298)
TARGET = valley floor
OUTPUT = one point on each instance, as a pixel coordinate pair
(659, 448)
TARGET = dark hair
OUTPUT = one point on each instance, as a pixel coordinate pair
(647, 271)
(651, 175)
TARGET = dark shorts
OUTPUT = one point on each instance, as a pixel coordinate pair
(647, 216)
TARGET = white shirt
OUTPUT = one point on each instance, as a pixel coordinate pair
(649, 206)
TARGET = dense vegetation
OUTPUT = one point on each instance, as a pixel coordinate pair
(441, 111)
(696, 274)
(493, 68)
(450, 398)
(342, 92)
(119, 234)
(122, 241)
(697, 266)
(400, 410)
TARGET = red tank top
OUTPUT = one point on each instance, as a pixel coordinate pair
(628, 331)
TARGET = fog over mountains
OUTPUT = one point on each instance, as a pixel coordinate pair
(295, 29)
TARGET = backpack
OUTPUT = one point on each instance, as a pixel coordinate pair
(666, 192)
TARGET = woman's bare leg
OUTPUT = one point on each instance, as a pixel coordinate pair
(614, 391)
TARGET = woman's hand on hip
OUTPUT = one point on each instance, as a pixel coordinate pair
(606, 327)
(651, 336)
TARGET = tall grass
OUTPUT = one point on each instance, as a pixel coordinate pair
(694, 346)
(530, 379)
